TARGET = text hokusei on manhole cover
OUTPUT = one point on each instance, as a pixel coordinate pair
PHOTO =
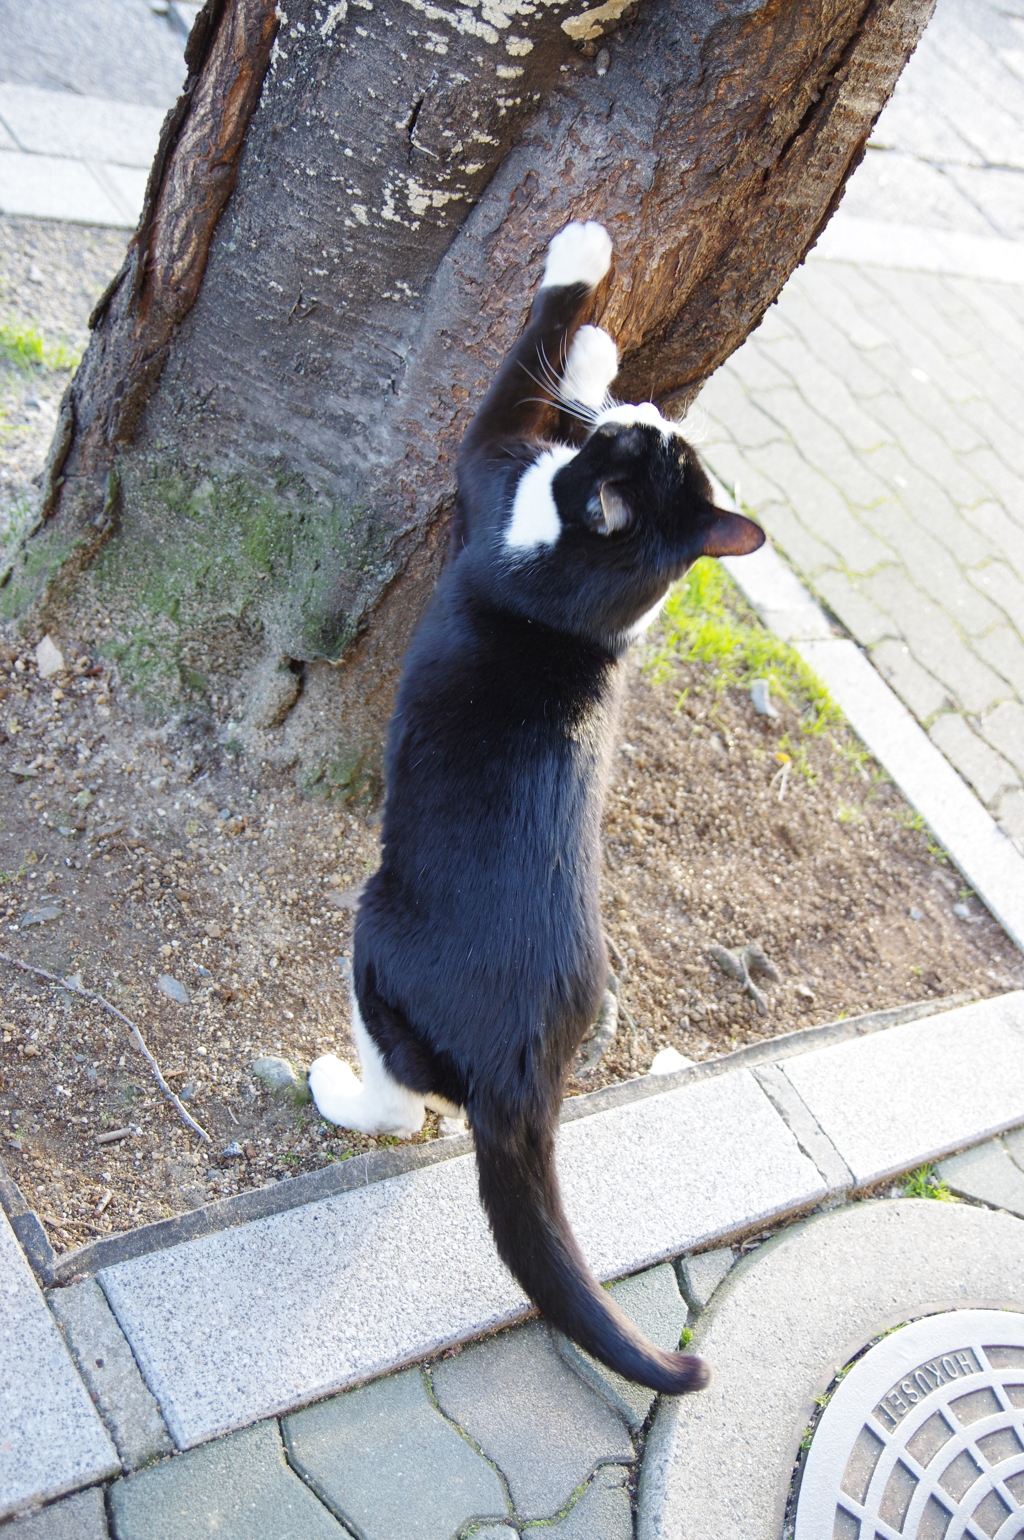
(924, 1438)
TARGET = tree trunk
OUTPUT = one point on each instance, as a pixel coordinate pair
(247, 496)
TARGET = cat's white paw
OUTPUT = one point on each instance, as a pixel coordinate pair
(592, 364)
(581, 253)
(334, 1087)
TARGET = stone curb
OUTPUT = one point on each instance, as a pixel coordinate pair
(379, 1165)
(263, 1318)
(977, 846)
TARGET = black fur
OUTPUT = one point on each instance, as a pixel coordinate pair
(479, 958)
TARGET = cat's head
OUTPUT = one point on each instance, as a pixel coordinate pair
(602, 531)
(637, 474)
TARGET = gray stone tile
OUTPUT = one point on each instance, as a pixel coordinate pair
(238, 1488)
(934, 639)
(1009, 814)
(914, 685)
(1002, 649)
(700, 1276)
(903, 189)
(264, 1317)
(987, 771)
(385, 1460)
(997, 193)
(602, 1512)
(719, 1464)
(1004, 729)
(106, 1364)
(911, 1094)
(849, 603)
(652, 1300)
(82, 1517)
(93, 49)
(540, 1424)
(988, 1174)
(998, 581)
(1001, 531)
(1014, 1142)
(53, 1439)
(495, 1532)
(804, 549)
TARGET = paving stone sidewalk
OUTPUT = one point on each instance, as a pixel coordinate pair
(875, 421)
(518, 1433)
(83, 91)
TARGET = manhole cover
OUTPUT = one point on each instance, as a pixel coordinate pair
(924, 1438)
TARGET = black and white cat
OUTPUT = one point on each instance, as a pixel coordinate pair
(479, 960)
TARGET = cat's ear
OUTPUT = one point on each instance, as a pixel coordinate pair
(730, 534)
(608, 511)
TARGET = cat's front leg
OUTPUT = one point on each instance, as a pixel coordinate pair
(529, 381)
(377, 1104)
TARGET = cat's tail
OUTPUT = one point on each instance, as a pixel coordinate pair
(519, 1191)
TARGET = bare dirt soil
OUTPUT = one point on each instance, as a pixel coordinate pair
(165, 858)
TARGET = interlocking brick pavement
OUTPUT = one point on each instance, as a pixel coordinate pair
(874, 422)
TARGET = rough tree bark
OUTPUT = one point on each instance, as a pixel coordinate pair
(246, 499)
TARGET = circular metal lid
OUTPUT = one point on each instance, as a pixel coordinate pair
(924, 1438)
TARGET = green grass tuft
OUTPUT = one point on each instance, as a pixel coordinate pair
(25, 348)
(707, 620)
(923, 1183)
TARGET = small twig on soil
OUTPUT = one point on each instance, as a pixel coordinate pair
(782, 776)
(75, 988)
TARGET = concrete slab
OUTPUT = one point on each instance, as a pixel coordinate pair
(58, 123)
(385, 1460)
(987, 1174)
(917, 1092)
(83, 1517)
(238, 1489)
(520, 1402)
(261, 1319)
(815, 1145)
(655, 1178)
(45, 187)
(793, 1312)
(111, 1374)
(51, 1439)
(651, 1299)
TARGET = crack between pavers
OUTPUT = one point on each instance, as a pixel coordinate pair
(347, 1525)
(512, 1518)
(428, 1384)
(576, 1496)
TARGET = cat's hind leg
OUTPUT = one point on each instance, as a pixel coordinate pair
(376, 1104)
